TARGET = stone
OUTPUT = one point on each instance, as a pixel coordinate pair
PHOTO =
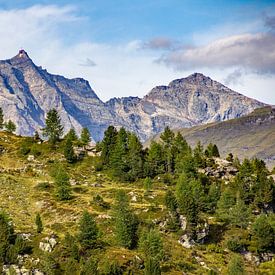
(30, 158)
(48, 244)
(183, 222)
(186, 241)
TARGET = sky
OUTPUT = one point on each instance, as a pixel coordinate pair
(125, 48)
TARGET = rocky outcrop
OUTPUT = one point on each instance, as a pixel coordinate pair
(28, 92)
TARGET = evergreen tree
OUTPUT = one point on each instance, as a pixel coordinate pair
(71, 135)
(171, 202)
(239, 214)
(226, 202)
(199, 155)
(126, 222)
(1, 119)
(152, 247)
(69, 151)
(212, 151)
(38, 222)
(155, 162)
(62, 183)
(236, 266)
(135, 157)
(85, 136)
(54, 128)
(147, 184)
(187, 165)
(88, 231)
(263, 234)
(7, 236)
(230, 157)
(190, 198)
(10, 126)
(108, 143)
(119, 157)
(167, 138)
(213, 196)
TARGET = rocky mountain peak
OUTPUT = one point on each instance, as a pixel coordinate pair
(21, 57)
(28, 92)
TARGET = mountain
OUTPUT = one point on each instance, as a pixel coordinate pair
(185, 102)
(249, 136)
(28, 92)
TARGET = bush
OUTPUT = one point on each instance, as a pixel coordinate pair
(234, 245)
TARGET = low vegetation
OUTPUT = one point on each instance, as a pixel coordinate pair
(165, 209)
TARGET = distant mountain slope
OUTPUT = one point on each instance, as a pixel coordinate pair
(185, 102)
(28, 92)
(250, 136)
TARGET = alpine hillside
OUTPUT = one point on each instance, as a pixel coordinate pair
(28, 92)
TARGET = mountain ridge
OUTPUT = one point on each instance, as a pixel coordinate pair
(28, 92)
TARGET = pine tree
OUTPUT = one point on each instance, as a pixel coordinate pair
(126, 222)
(119, 157)
(1, 119)
(155, 161)
(107, 145)
(71, 135)
(85, 137)
(62, 184)
(10, 126)
(36, 136)
(135, 157)
(167, 138)
(199, 155)
(171, 202)
(54, 128)
(152, 247)
(38, 222)
(263, 234)
(236, 266)
(88, 231)
(239, 214)
(190, 198)
(69, 151)
(226, 202)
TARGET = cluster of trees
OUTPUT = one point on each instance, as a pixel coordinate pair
(123, 153)
(9, 126)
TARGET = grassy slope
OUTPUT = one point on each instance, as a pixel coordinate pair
(20, 197)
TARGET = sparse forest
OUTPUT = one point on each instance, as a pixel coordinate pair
(118, 208)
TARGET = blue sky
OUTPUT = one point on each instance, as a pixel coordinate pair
(127, 47)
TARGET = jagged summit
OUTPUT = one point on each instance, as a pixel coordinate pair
(28, 92)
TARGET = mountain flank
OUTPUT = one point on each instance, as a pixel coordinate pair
(28, 92)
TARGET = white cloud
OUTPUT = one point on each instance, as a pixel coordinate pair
(121, 70)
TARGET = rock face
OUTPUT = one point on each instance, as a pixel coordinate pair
(28, 92)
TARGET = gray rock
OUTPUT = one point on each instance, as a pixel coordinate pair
(186, 241)
(48, 244)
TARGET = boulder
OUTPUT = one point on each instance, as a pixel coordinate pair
(186, 241)
(48, 244)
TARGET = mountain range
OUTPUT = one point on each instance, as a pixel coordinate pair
(28, 92)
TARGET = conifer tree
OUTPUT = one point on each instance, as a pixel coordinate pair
(135, 157)
(1, 119)
(54, 128)
(126, 222)
(119, 158)
(190, 198)
(239, 214)
(263, 234)
(199, 155)
(155, 161)
(236, 266)
(38, 222)
(62, 184)
(71, 135)
(108, 144)
(152, 247)
(88, 230)
(69, 151)
(85, 136)
(10, 126)
(226, 202)
(167, 138)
